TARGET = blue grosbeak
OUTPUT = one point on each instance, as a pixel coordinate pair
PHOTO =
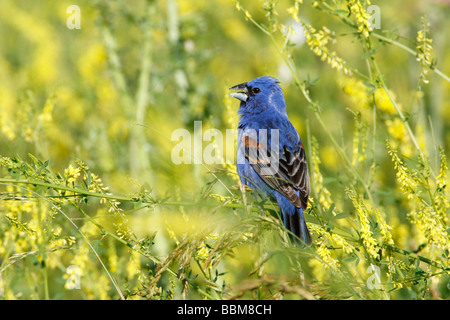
(270, 155)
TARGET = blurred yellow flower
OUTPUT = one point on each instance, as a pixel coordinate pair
(92, 63)
(322, 192)
(356, 91)
(396, 128)
(383, 101)
(293, 11)
(7, 106)
(45, 117)
(43, 67)
(329, 158)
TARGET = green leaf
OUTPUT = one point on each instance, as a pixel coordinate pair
(137, 204)
(342, 215)
(349, 259)
(340, 11)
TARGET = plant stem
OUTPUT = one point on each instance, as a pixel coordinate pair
(81, 233)
(414, 255)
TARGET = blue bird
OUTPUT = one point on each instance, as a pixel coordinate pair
(270, 155)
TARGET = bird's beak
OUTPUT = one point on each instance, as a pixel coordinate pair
(243, 96)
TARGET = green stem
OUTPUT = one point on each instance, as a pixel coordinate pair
(115, 237)
(409, 50)
(87, 193)
(77, 191)
(381, 37)
(81, 233)
(414, 255)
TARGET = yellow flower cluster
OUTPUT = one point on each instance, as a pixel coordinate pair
(325, 254)
(424, 50)
(134, 264)
(396, 128)
(96, 183)
(322, 192)
(359, 140)
(320, 273)
(361, 15)
(363, 216)
(383, 101)
(327, 238)
(431, 219)
(406, 178)
(240, 8)
(21, 226)
(202, 252)
(71, 174)
(318, 41)
(385, 228)
(441, 197)
(63, 241)
(45, 117)
(39, 33)
(293, 11)
(356, 91)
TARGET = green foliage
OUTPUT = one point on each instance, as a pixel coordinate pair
(124, 222)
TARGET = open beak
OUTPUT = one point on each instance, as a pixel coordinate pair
(243, 96)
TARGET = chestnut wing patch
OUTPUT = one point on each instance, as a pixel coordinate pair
(292, 173)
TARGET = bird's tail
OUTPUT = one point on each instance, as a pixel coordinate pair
(297, 225)
(295, 222)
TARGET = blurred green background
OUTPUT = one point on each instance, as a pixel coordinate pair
(112, 93)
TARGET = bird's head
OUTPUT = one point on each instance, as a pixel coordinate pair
(258, 94)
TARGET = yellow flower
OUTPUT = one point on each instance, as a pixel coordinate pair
(334, 239)
(363, 216)
(424, 50)
(357, 92)
(432, 226)
(385, 228)
(406, 178)
(318, 41)
(361, 16)
(396, 129)
(323, 193)
(383, 101)
(71, 174)
(7, 103)
(133, 265)
(46, 115)
(93, 63)
(326, 255)
(202, 252)
(293, 11)
(43, 60)
(320, 273)
(329, 157)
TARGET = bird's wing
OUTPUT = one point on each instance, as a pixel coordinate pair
(292, 173)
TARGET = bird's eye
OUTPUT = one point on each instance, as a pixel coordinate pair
(256, 90)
